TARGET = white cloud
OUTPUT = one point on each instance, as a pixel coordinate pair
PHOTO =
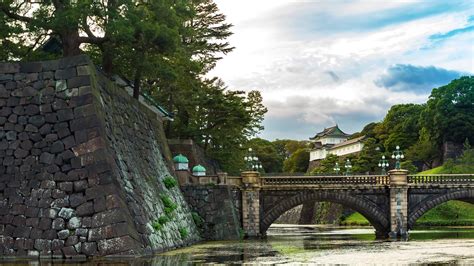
(318, 78)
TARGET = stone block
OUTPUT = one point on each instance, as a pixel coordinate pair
(66, 213)
(116, 245)
(85, 209)
(63, 234)
(79, 81)
(57, 147)
(108, 217)
(89, 248)
(57, 244)
(37, 120)
(84, 123)
(58, 224)
(49, 234)
(31, 67)
(74, 223)
(80, 185)
(65, 115)
(71, 241)
(9, 68)
(66, 73)
(42, 244)
(46, 158)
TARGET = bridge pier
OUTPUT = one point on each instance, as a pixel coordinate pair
(398, 204)
(251, 203)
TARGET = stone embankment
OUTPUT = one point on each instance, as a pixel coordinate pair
(82, 167)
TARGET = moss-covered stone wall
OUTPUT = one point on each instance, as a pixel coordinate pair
(82, 167)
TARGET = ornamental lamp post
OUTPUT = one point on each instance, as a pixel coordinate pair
(336, 168)
(348, 167)
(252, 161)
(397, 155)
(383, 163)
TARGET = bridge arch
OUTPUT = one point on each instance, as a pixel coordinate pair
(368, 209)
(424, 206)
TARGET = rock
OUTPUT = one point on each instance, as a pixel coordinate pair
(89, 248)
(46, 158)
(42, 244)
(85, 209)
(74, 223)
(66, 213)
(63, 234)
(58, 224)
(37, 120)
(57, 147)
(71, 241)
(65, 73)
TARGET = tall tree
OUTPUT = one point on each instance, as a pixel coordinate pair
(449, 112)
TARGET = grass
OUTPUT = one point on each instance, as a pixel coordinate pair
(451, 213)
(433, 171)
(355, 219)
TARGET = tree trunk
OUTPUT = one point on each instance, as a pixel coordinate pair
(70, 42)
(107, 60)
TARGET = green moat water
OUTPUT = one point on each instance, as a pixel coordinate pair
(290, 245)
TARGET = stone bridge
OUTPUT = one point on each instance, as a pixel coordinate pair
(392, 203)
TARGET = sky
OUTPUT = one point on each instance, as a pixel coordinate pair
(318, 63)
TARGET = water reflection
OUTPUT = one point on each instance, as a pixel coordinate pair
(316, 244)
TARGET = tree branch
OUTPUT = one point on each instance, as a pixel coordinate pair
(7, 12)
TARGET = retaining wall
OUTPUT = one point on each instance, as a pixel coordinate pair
(82, 166)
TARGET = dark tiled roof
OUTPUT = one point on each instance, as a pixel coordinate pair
(348, 142)
(331, 131)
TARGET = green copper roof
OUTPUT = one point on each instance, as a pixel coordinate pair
(334, 131)
(199, 168)
(180, 159)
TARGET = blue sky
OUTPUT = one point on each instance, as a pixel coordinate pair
(323, 62)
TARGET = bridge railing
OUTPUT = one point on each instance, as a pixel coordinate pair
(458, 179)
(373, 180)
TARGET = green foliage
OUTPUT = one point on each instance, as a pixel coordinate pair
(157, 226)
(462, 165)
(408, 165)
(449, 112)
(170, 206)
(327, 165)
(183, 232)
(267, 153)
(170, 182)
(451, 213)
(197, 219)
(368, 159)
(298, 162)
(241, 233)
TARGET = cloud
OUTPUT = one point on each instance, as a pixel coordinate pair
(418, 79)
(318, 63)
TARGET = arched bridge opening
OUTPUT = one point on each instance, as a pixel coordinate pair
(422, 206)
(272, 209)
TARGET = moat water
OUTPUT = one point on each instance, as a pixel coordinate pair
(293, 245)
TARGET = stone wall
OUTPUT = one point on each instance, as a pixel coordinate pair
(81, 166)
(220, 209)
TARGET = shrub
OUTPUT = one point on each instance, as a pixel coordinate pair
(183, 232)
(170, 206)
(157, 226)
(170, 182)
(197, 219)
